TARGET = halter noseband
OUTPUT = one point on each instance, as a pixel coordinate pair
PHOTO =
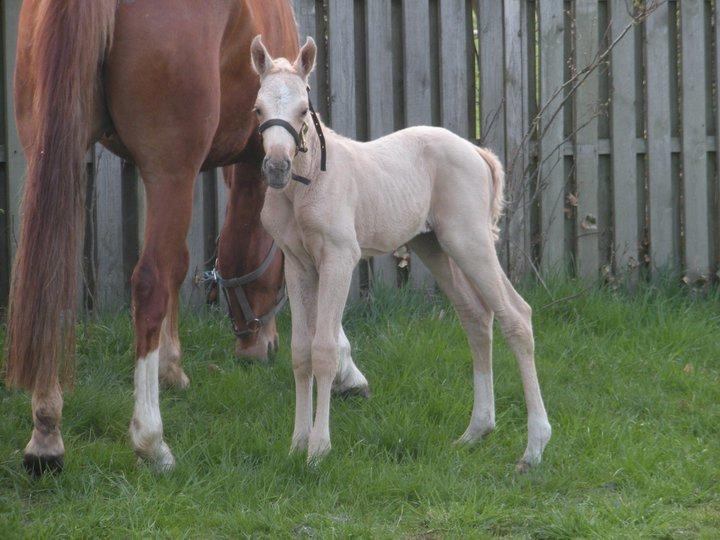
(234, 286)
(299, 137)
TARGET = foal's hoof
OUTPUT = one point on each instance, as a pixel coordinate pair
(523, 467)
(36, 466)
(175, 379)
(161, 460)
(317, 452)
(356, 391)
(473, 435)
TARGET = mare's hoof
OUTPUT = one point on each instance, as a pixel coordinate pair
(36, 466)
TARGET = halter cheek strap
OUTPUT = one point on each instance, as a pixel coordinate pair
(236, 287)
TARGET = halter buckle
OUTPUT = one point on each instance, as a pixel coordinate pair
(302, 146)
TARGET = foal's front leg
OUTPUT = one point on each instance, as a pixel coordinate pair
(302, 286)
(335, 275)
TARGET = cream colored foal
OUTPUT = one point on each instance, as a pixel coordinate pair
(422, 186)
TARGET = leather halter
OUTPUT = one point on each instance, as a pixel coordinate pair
(234, 286)
(299, 137)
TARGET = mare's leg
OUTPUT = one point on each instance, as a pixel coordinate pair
(164, 99)
(156, 279)
(302, 284)
(170, 370)
(335, 274)
(45, 450)
(471, 246)
(477, 321)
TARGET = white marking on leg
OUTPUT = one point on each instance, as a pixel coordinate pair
(349, 377)
(146, 429)
(319, 442)
(539, 430)
(482, 420)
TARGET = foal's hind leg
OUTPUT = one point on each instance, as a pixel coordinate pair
(477, 321)
(471, 246)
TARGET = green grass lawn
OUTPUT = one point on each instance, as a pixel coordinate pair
(631, 385)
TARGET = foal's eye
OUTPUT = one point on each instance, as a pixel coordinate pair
(257, 111)
(304, 112)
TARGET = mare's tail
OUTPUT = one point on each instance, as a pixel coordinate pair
(70, 40)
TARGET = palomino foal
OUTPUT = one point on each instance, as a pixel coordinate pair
(424, 186)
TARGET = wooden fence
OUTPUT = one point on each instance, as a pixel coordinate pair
(607, 129)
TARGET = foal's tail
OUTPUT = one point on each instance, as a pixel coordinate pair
(70, 39)
(498, 178)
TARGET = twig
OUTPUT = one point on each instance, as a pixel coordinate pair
(568, 298)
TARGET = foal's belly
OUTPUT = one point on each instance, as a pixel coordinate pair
(390, 226)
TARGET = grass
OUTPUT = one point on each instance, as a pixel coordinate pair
(632, 388)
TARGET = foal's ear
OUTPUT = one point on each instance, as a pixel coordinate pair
(305, 62)
(261, 59)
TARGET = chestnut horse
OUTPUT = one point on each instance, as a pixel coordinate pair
(168, 85)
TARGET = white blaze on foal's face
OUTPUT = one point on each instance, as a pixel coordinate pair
(282, 96)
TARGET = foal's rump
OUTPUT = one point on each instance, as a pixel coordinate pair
(467, 179)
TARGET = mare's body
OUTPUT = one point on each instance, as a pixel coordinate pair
(167, 84)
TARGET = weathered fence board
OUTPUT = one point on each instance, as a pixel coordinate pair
(418, 92)
(516, 129)
(660, 192)
(645, 179)
(586, 148)
(14, 158)
(306, 16)
(381, 114)
(622, 126)
(342, 87)
(490, 74)
(109, 274)
(694, 155)
(551, 177)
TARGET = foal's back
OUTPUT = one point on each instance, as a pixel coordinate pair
(402, 182)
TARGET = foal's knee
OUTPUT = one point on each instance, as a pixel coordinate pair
(301, 357)
(325, 358)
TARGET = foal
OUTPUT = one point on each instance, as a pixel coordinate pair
(422, 186)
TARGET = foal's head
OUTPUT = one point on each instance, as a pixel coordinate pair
(282, 97)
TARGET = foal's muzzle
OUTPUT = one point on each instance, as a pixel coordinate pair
(277, 172)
